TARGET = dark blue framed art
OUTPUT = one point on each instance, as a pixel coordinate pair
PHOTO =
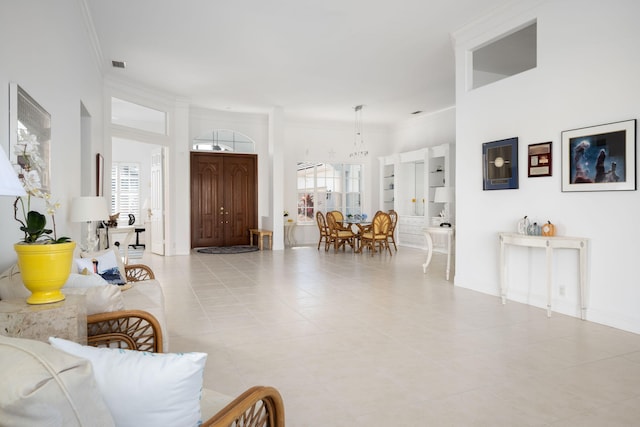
(500, 164)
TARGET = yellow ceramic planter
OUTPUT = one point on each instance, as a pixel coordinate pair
(45, 269)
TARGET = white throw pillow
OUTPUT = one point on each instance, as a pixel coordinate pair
(106, 265)
(76, 280)
(100, 296)
(99, 299)
(145, 389)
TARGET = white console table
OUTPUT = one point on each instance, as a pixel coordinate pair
(549, 243)
(448, 233)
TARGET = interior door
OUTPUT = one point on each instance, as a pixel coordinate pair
(157, 202)
(224, 201)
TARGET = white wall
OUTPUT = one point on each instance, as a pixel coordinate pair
(46, 50)
(425, 130)
(587, 75)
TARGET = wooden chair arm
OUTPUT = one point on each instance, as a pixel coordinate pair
(138, 272)
(259, 406)
(127, 329)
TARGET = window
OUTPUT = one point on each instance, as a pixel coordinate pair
(125, 190)
(507, 56)
(224, 140)
(325, 187)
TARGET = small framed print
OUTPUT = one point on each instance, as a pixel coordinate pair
(600, 158)
(540, 159)
(500, 164)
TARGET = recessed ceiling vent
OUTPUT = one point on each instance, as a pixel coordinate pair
(119, 64)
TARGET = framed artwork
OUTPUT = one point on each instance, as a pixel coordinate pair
(29, 140)
(500, 164)
(99, 175)
(600, 158)
(540, 159)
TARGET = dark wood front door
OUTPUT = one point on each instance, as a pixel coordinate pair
(224, 198)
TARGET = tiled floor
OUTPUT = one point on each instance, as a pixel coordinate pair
(351, 340)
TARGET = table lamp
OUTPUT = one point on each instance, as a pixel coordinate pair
(444, 195)
(10, 185)
(88, 209)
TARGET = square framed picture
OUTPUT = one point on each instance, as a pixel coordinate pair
(600, 158)
(540, 163)
(500, 164)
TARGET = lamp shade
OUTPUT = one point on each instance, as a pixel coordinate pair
(89, 208)
(10, 185)
(443, 195)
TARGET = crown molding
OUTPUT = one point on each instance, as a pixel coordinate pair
(92, 35)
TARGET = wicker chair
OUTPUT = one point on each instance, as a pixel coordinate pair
(324, 231)
(392, 230)
(258, 406)
(138, 272)
(378, 233)
(339, 235)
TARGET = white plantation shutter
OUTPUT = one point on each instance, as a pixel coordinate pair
(125, 190)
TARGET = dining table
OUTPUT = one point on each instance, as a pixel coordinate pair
(361, 226)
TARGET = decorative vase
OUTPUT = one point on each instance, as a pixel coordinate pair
(45, 269)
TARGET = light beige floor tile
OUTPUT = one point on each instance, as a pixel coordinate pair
(353, 340)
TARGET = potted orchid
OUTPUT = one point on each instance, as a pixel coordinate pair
(44, 259)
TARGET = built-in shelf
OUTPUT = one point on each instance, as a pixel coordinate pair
(408, 185)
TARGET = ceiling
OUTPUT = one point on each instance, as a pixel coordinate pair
(315, 59)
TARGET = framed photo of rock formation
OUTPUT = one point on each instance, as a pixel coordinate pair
(600, 158)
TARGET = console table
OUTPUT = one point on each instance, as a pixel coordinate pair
(549, 243)
(448, 233)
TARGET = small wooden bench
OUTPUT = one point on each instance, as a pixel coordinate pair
(261, 233)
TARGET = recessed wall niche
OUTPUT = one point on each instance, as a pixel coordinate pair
(508, 55)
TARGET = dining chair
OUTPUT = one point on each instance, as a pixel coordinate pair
(338, 217)
(377, 234)
(392, 230)
(340, 235)
(324, 231)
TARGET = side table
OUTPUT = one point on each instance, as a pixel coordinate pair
(290, 232)
(65, 319)
(448, 232)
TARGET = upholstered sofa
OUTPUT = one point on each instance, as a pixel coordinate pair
(141, 292)
(127, 380)
(67, 384)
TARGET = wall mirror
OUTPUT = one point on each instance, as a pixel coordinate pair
(412, 189)
(419, 185)
(29, 139)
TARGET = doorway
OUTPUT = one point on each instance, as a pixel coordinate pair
(224, 198)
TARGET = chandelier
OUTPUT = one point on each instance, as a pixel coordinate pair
(359, 150)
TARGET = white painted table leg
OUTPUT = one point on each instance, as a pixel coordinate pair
(448, 255)
(583, 280)
(549, 251)
(429, 254)
(503, 273)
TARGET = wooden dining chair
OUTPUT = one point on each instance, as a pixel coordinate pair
(340, 235)
(377, 234)
(392, 230)
(324, 231)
